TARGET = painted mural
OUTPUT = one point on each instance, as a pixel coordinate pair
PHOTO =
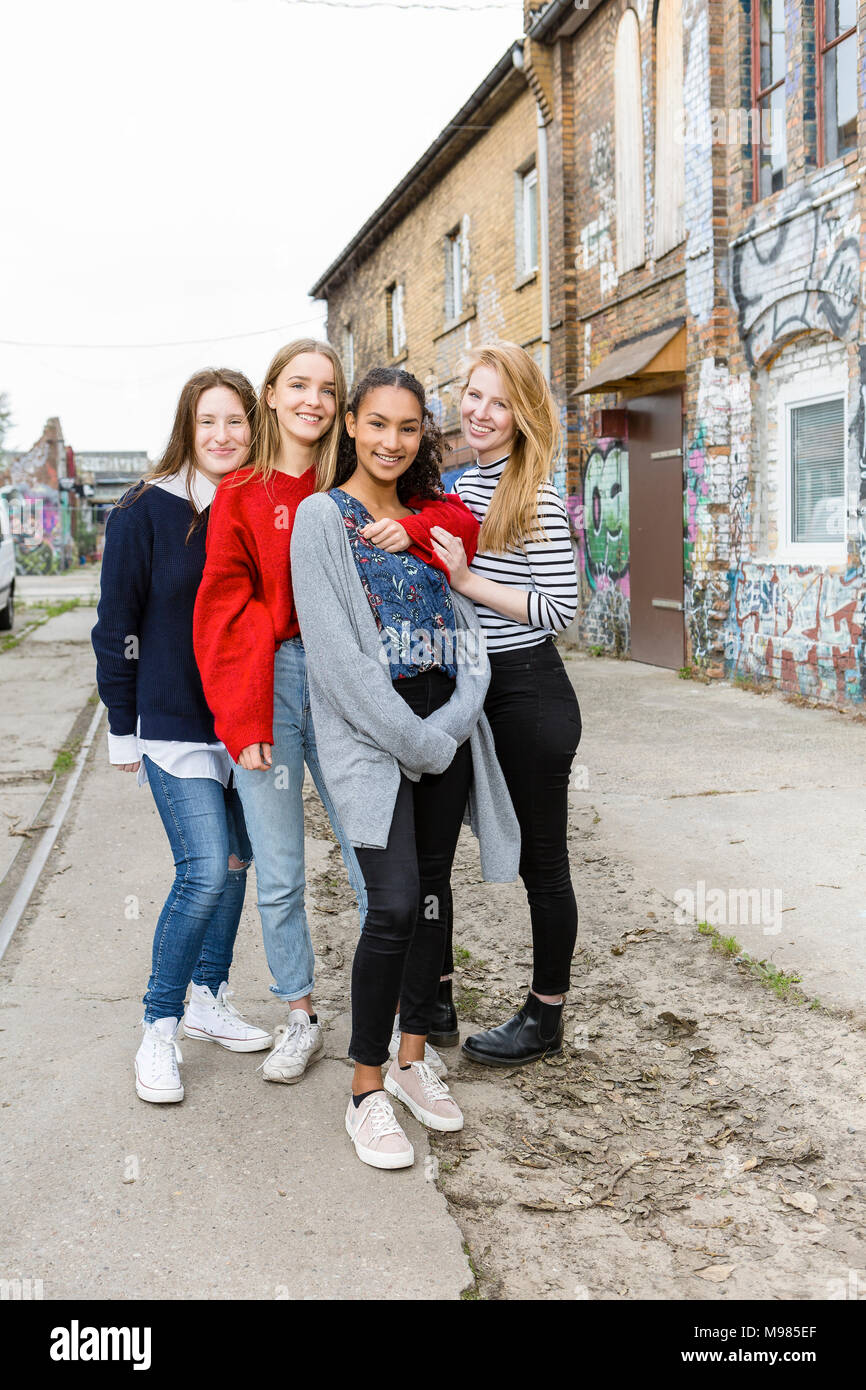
(800, 627)
(798, 274)
(600, 520)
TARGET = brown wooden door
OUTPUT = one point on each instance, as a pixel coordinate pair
(655, 471)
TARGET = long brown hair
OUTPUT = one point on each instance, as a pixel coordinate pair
(180, 449)
(512, 517)
(266, 440)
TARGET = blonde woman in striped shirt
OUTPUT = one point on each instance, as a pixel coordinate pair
(523, 582)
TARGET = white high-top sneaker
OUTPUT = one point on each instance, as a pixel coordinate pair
(297, 1044)
(216, 1020)
(156, 1075)
(431, 1056)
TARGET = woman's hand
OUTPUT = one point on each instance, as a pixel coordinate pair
(255, 757)
(127, 767)
(387, 535)
(450, 551)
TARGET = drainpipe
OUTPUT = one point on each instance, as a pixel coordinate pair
(543, 221)
(544, 239)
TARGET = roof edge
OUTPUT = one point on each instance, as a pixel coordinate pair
(505, 68)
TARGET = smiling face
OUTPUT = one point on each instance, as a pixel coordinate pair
(304, 398)
(387, 432)
(222, 432)
(488, 419)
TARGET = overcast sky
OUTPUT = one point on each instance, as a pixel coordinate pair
(186, 169)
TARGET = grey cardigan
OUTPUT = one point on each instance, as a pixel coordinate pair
(366, 734)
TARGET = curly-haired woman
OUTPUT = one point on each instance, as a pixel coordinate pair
(253, 664)
(398, 676)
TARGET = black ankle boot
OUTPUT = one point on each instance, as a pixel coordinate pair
(443, 1028)
(536, 1031)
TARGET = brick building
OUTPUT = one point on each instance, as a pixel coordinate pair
(452, 256)
(698, 311)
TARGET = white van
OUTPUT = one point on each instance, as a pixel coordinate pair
(7, 569)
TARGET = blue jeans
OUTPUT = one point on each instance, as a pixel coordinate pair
(196, 931)
(274, 810)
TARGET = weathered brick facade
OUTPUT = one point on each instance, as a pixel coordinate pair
(465, 187)
(767, 287)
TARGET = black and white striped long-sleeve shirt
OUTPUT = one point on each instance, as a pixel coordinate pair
(546, 569)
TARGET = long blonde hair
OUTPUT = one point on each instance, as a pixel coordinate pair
(267, 445)
(512, 517)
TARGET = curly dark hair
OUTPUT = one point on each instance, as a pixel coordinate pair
(422, 478)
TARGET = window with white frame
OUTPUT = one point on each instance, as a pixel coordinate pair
(396, 320)
(528, 222)
(453, 275)
(814, 492)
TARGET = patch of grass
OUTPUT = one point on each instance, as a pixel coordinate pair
(596, 650)
(685, 673)
(65, 760)
(54, 609)
(461, 955)
(783, 983)
(467, 1001)
(473, 1292)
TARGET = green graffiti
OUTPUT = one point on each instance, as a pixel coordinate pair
(605, 512)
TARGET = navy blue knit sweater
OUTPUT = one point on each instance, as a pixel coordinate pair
(145, 664)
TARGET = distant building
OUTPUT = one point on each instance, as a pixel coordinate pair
(109, 474)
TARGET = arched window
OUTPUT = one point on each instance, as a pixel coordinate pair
(630, 243)
(670, 189)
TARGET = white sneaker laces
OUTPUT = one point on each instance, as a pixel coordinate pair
(382, 1118)
(224, 1007)
(432, 1085)
(285, 1038)
(166, 1054)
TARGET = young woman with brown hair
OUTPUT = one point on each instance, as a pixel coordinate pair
(253, 665)
(160, 726)
(523, 581)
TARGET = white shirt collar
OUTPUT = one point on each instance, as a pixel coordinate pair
(202, 488)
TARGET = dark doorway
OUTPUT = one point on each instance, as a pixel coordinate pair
(655, 464)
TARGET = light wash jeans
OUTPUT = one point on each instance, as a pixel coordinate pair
(274, 812)
(195, 934)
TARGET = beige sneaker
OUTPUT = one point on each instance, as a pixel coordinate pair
(373, 1129)
(425, 1094)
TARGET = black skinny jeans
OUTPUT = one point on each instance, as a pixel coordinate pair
(535, 719)
(400, 950)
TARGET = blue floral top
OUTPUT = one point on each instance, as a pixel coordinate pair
(411, 600)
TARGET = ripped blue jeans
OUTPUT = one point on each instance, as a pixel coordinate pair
(196, 930)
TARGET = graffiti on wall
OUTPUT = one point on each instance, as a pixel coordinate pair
(799, 626)
(600, 520)
(605, 513)
(798, 275)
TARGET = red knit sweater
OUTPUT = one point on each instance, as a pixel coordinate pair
(245, 609)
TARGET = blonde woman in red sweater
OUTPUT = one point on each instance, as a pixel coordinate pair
(253, 665)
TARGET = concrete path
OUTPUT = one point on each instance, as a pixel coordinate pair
(706, 787)
(246, 1189)
(45, 682)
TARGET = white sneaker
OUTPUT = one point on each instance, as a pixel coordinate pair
(156, 1075)
(216, 1020)
(297, 1044)
(431, 1056)
(373, 1128)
